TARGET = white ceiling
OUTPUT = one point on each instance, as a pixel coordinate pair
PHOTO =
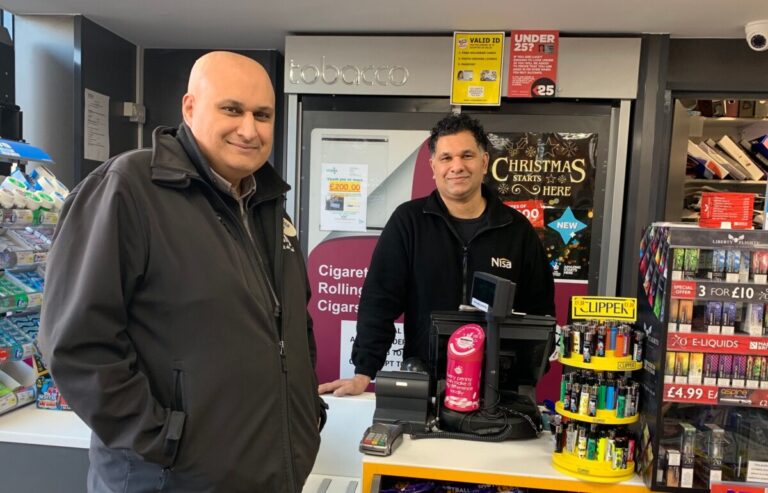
(256, 24)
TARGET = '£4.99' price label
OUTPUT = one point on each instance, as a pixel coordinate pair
(699, 394)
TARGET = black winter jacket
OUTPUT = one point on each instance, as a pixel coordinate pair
(420, 264)
(166, 334)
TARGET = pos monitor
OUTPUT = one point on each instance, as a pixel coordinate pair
(525, 343)
(517, 358)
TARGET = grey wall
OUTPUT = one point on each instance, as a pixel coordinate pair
(45, 87)
(646, 176)
(57, 57)
(107, 65)
(716, 65)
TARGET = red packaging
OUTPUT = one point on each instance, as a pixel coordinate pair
(727, 210)
(465, 362)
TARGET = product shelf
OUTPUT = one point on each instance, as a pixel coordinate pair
(716, 395)
(603, 363)
(26, 217)
(591, 470)
(739, 343)
(702, 423)
(604, 416)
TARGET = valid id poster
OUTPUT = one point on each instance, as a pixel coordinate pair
(477, 68)
(344, 197)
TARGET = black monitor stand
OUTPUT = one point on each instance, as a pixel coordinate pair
(503, 416)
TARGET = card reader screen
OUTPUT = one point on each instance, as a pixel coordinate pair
(483, 292)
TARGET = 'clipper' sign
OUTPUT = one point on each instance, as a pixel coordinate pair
(603, 308)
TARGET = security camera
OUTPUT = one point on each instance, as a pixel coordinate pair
(757, 35)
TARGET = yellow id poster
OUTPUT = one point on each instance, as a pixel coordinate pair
(477, 68)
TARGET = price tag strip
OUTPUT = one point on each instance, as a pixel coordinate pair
(719, 291)
(711, 394)
(717, 343)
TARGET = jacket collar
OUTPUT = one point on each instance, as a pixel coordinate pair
(177, 161)
(498, 213)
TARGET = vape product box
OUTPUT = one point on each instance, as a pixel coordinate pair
(685, 314)
(699, 317)
(690, 263)
(760, 267)
(725, 370)
(765, 320)
(687, 454)
(674, 309)
(695, 368)
(714, 316)
(673, 468)
(753, 319)
(712, 461)
(669, 367)
(761, 109)
(661, 464)
(718, 265)
(682, 361)
(739, 373)
(732, 265)
(763, 372)
(678, 263)
(711, 368)
(754, 366)
(744, 267)
(704, 269)
(728, 318)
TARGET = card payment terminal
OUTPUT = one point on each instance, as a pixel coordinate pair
(381, 439)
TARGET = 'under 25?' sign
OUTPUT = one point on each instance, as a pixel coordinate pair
(533, 64)
(477, 68)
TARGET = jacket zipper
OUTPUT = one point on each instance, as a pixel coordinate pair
(245, 240)
(278, 268)
(277, 313)
(465, 249)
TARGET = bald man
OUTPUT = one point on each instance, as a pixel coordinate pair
(175, 320)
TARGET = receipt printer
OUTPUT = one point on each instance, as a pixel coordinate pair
(402, 397)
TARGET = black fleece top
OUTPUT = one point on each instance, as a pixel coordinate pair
(421, 264)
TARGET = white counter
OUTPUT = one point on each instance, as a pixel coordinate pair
(34, 426)
(524, 463)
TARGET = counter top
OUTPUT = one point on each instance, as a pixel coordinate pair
(523, 463)
(34, 426)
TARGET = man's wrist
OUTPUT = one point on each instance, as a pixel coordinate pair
(365, 372)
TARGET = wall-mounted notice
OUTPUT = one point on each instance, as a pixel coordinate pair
(477, 68)
(96, 126)
(533, 64)
(344, 197)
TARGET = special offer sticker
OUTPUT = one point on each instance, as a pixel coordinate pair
(533, 210)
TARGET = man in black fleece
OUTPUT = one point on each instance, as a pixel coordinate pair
(431, 247)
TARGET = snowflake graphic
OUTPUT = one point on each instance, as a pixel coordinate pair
(530, 152)
(570, 149)
(498, 142)
(562, 179)
(503, 189)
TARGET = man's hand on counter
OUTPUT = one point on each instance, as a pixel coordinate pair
(346, 386)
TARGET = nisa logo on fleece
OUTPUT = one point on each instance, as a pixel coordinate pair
(501, 262)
